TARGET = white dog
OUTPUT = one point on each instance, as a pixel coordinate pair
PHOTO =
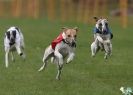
(13, 41)
(102, 38)
(63, 46)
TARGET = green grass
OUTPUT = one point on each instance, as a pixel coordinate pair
(84, 76)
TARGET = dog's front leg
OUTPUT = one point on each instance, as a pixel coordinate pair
(59, 56)
(108, 48)
(94, 48)
(18, 48)
(60, 63)
(6, 57)
(70, 57)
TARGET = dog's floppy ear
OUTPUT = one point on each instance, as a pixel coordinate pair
(76, 28)
(95, 18)
(17, 28)
(8, 34)
(64, 28)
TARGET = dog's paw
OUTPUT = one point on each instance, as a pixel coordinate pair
(41, 68)
(57, 78)
(93, 55)
(6, 66)
(105, 57)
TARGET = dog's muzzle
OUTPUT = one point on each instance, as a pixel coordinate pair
(12, 42)
(73, 44)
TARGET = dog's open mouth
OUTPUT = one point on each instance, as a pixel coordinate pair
(73, 44)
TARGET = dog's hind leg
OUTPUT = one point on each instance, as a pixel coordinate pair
(110, 49)
(48, 53)
(23, 53)
(45, 58)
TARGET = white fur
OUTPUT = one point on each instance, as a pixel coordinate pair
(102, 40)
(18, 46)
(57, 56)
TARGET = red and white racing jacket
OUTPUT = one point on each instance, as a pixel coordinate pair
(60, 38)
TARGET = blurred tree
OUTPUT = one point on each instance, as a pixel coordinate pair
(36, 8)
(16, 8)
(1, 8)
(123, 9)
(51, 9)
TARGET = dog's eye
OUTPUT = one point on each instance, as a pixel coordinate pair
(100, 24)
(69, 35)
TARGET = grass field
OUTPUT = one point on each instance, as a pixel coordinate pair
(84, 76)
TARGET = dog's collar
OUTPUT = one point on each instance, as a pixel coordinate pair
(65, 41)
(70, 44)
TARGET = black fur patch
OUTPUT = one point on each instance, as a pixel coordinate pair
(73, 44)
(8, 35)
(14, 33)
(17, 28)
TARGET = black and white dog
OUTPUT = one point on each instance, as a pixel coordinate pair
(102, 37)
(13, 41)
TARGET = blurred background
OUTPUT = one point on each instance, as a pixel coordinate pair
(68, 10)
(41, 21)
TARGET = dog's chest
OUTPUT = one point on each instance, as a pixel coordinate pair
(12, 48)
(64, 49)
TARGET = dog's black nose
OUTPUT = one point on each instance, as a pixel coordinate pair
(73, 44)
(12, 40)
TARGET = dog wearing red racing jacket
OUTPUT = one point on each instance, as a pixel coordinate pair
(61, 47)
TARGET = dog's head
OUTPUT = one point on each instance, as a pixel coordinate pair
(11, 35)
(101, 24)
(71, 35)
